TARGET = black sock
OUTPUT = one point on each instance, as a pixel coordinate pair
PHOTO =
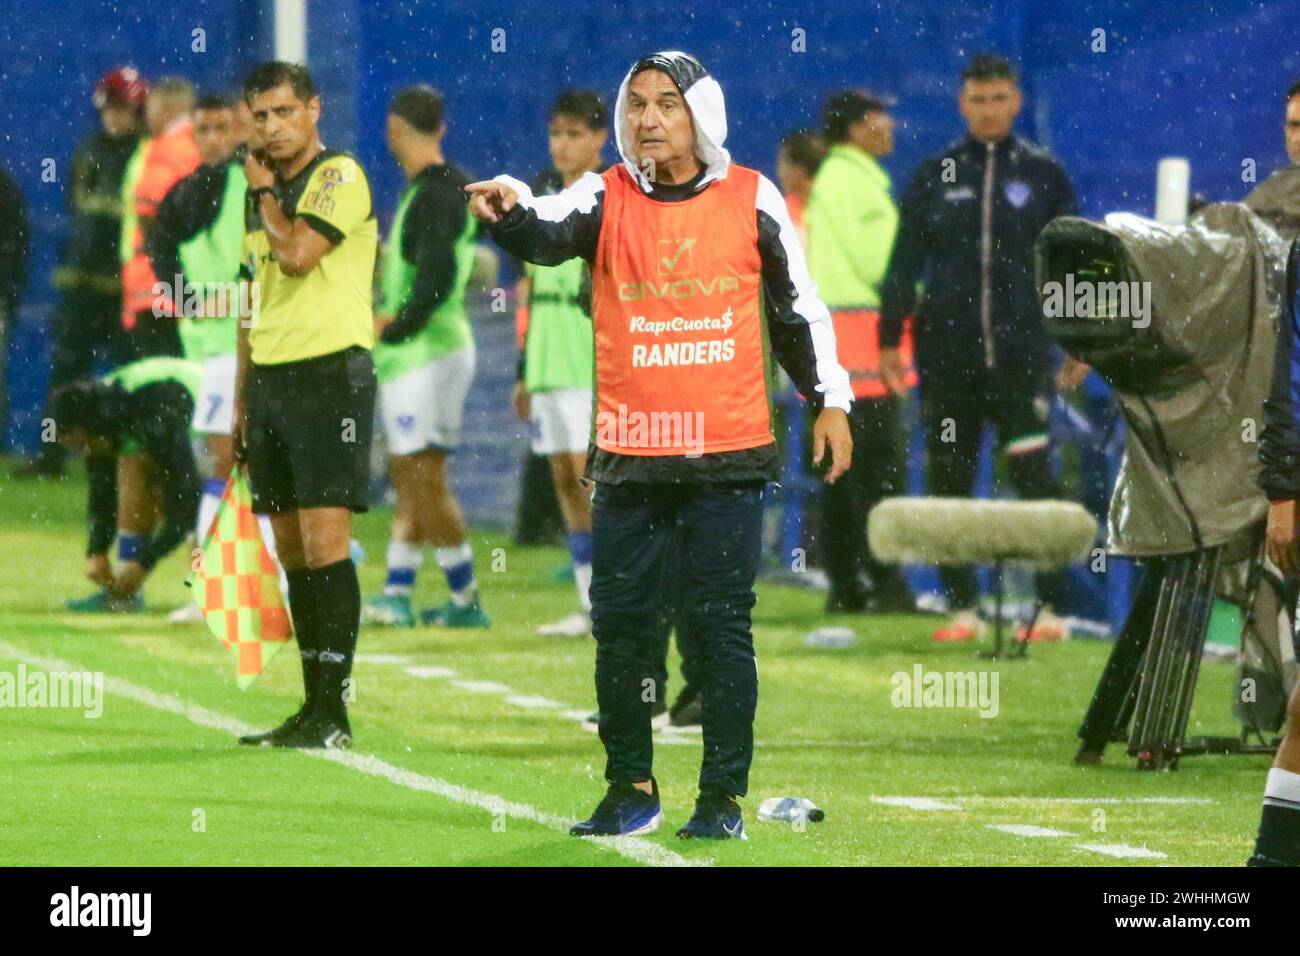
(336, 595)
(305, 629)
(1278, 843)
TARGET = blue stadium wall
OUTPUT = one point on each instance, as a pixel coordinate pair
(51, 54)
(1202, 80)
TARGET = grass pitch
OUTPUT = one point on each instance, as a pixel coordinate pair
(468, 750)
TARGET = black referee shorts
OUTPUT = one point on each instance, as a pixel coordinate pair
(309, 430)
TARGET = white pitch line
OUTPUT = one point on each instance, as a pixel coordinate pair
(1122, 850)
(482, 686)
(677, 740)
(916, 803)
(662, 735)
(533, 702)
(429, 673)
(1086, 801)
(382, 658)
(634, 848)
(1027, 830)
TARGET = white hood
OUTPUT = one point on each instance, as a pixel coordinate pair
(703, 98)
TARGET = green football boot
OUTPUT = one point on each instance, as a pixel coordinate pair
(452, 614)
(103, 602)
(391, 610)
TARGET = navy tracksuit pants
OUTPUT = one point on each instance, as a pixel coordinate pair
(717, 531)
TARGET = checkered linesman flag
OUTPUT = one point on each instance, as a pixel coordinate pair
(237, 585)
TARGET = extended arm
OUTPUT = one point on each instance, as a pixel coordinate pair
(546, 230)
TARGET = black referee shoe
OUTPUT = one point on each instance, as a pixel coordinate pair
(318, 732)
(271, 738)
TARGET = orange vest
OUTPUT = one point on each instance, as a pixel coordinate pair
(169, 158)
(680, 345)
(857, 346)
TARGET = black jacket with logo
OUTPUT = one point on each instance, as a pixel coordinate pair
(90, 260)
(974, 257)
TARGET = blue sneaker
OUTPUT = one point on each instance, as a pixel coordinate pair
(716, 817)
(104, 603)
(625, 811)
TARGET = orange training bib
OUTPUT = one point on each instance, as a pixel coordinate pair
(681, 352)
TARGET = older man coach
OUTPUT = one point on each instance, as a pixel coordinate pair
(696, 273)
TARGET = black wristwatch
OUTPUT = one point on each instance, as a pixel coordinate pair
(256, 194)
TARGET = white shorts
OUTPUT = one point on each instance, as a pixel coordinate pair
(423, 408)
(214, 409)
(561, 420)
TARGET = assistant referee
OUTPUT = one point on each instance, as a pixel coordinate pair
(305, 389)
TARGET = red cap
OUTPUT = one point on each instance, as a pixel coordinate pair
(123, 86)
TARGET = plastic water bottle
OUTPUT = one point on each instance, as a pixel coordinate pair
(790, 810)
(833, 637)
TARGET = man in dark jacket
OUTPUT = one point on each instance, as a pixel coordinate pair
(967, 225)
(696, 271)
(87, 324)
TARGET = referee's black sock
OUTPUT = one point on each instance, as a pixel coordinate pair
(336, 595)
(302, 608)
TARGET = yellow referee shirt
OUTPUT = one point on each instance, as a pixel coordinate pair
(328, 309)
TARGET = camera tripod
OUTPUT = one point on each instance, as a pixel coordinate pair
(1144, 696)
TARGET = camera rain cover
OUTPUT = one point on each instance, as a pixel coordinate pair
(1181, 321)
